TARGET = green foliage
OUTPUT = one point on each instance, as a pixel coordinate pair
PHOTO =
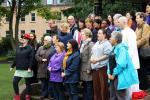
(5, 45)
(80, 9)
(117, 7)
(44, 12)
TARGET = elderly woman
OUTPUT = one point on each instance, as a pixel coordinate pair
(85, 71)
(99, 60)
(43, 55)
(122, 74)
(71, 64)
(23, 62)
(55, 66)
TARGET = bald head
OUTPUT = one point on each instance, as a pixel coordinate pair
(71, 20)
(123, 22)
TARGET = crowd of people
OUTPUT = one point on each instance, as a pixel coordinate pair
(101, 55)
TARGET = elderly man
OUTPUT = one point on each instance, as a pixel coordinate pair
(116, 17)
(129, 37)
(72, 25)
(53, 27)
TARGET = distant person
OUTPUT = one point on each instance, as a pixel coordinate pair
(131, 20)
(23, 62)
(43, 55)
(148, 13)
(53, 28)
(89, 23)
(55, 39)
(64, 34)
(72, 24)
(111, 20)
(35, 45)
(105, 25)
(77, 35)
(96, 26)
(115, 18)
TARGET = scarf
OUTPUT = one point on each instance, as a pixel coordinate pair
(68, 53)
(47, 46)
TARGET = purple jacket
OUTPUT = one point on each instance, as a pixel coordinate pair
(55, 63)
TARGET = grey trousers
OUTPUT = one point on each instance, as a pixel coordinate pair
(118, 94)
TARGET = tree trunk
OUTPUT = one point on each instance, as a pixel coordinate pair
(12, 8)
(18, 16)
(16, 30)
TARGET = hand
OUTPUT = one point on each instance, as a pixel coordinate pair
(88, 71)
(44, 60)
(111, 77)
(63, 74)
(11, 69)
(94, 61)
(49, 68)
(29, 70)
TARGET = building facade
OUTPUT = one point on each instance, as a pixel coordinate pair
(34, 23)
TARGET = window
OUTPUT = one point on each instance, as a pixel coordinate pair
(32, 31)
(7, 33)
(32, 16)
(49, 1)
(23, 18)
(22, 32)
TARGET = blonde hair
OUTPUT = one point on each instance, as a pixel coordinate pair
(88, 20)
(87, 32)
(65, 26)
(60, 45)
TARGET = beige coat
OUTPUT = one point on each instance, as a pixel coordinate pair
(85, 61)
(42, 66)
(143, 35)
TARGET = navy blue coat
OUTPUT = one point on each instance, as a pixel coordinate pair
(72, 69)
(64, 38)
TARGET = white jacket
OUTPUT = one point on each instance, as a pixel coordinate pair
(129, 37)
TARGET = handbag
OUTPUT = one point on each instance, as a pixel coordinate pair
(144, 52)
(139, 95)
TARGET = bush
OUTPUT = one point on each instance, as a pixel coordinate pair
(5, 45)
(10, 55)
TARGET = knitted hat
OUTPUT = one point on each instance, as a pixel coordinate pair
(26, 36)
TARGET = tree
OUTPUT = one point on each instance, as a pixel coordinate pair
(19, 8)
(82, 8)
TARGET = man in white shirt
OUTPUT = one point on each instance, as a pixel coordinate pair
(129, 37)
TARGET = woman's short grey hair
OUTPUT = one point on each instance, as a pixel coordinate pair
(117, 36)
(48, 38)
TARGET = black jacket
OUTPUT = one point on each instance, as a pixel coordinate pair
(24, 58)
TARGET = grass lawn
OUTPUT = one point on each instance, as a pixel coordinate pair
(6, 76)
